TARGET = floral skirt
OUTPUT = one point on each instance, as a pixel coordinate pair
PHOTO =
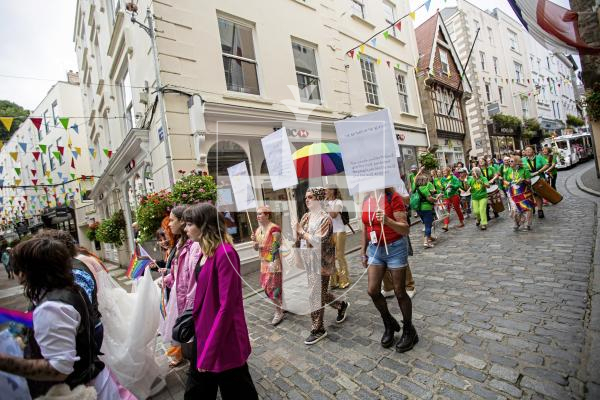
(272, 283)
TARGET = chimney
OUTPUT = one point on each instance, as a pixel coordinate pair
(73, 77)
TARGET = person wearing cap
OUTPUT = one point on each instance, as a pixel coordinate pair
(267, 241)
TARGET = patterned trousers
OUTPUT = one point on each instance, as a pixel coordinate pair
(319, 297)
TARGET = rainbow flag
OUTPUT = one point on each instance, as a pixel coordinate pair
(138, 263)
(20, 317)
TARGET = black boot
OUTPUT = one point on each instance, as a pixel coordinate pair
(409, 338)
(540, 213)
(391, 326)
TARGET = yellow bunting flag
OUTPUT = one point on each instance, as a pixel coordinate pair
(413, 15)
(78, 150)
(7, 122)
(379, 61)
(362, 48)
(17, 182)
(69, 142)
(14, 154)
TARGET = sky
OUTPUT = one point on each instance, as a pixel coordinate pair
(38, 43)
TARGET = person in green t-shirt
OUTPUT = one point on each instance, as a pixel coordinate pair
(479, 197)
(488, 172)
(537, 165)
(451, 186)
(517, 179)
(424, 188)
(501, 173)
(552, 160)
(411, 177)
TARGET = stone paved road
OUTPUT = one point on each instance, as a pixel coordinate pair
(499, 314)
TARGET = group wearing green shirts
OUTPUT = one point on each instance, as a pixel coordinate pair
(479, 198)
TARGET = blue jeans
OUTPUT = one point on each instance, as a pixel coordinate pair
(427, 218)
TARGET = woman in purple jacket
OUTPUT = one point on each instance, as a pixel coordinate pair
(222, 341)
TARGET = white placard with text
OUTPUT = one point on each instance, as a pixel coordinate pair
(279, 160)
(242, 187)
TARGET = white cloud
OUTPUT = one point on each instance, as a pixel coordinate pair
(37, 41)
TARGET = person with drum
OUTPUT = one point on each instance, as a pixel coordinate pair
(517, 179)
(537, 165)
(478, 185)
(488, 171)
(450, 188)
(551, 172)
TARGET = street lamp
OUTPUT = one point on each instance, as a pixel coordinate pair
(132, 7)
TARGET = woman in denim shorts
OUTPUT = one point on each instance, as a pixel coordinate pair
(386, 210)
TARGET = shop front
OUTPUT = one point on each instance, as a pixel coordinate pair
(504, 140)
(411, 142)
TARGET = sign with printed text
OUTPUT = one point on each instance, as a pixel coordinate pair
(278, 155)
(241, 186)
(369, 150)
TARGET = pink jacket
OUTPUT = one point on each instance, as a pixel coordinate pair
(182, 273)
(220, 324)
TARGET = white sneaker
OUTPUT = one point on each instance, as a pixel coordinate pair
(388, 293)
(411, 293)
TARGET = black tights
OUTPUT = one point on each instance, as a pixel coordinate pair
(376, 273)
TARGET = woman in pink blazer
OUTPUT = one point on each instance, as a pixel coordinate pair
(222, 341)
(181, 279)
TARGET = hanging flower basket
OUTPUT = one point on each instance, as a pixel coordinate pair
(194, 188)
(150, 213)
(112, 230)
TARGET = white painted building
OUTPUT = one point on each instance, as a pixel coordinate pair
(510, 73)
(247, 61)
(35, 178)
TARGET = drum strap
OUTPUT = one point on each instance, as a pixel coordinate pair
(531, 164)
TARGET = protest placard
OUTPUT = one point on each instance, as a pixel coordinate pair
(369, 147)
(278, 155)
(241, 186)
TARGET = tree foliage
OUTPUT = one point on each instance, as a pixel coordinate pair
(574, 121)
(10, 109)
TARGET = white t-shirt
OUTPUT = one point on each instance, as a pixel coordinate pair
(336, 206)
(55, 330)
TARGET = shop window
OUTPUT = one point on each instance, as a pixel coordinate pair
(239, 59)
(367, 65)
(221, 156)
(307, 75)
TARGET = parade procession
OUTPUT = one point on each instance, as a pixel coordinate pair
(300, 199)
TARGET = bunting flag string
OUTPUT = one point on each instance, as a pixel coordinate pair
(7, 122)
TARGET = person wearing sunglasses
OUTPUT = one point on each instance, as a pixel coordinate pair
(315, 239)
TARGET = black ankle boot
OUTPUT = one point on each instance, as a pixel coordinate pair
(409, 338)
(391, 326)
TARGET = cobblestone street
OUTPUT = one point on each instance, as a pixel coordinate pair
(499, 315)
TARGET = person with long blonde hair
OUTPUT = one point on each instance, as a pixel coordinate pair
(221, 334)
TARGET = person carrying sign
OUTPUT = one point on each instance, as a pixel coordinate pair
(384, 248)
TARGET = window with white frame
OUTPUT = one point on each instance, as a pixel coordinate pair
(512, 37)
(444, 61)
(46, 125)
(307, 75)
(51, 157)
(525, 106)
(358, 8)
(367, 65)
(402, 90)
(390, 16)
(239, 59)
(518, 71)
(482, 56)
(476, 24)
(500, 95)
(548, 62)
(127, 99)
(55, 112)
(490, 35)
(488, 93)
(495, 61)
